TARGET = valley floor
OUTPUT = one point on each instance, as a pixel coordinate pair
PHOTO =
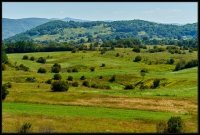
(88, 109)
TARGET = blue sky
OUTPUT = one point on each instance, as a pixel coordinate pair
(162, 12)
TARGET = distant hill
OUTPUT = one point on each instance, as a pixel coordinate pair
(12, 27)
(62, 31)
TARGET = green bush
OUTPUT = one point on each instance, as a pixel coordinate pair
(49, 81)
(59, 86)
(103, 65)
(8, 84)
(31, 79)
(41, 60)
(57, 77)
(69, 70)
(70, 78)
(25, 57)
(74, 70)
(74, 51)
(112, 79)
(3, 66)
(42, 70)
(75, 84)
(82, 77)
(137, 58)
(22, 67)
(56, 68)
(4, 92)
(32, 58)
(136, 49)
(170, 61)
(156, 83)
(94, 85)
(86, 83)
(175, 125)
(92, 69)
(129, 86)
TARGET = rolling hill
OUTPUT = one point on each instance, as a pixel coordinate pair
(12, 27)
(61, 31)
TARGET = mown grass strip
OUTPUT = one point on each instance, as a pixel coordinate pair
(83, 111)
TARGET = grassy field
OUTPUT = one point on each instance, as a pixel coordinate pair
(87, 109)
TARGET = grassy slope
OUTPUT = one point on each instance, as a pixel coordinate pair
(181, 87)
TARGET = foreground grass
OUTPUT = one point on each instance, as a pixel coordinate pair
(86, 113)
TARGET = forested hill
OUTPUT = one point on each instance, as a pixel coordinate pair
(61, 31)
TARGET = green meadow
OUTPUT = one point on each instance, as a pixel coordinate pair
(106, 108)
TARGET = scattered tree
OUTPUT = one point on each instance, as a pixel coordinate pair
(70, 78)
(56, 68)
(137, 58)
(57, 77)
(59, 86)
(42, 70)
(25, 57)
(41, 60)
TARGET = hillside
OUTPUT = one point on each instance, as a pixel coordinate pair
(12, 27)
(61, 31)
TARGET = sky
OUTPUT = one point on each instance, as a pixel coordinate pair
(161, 12)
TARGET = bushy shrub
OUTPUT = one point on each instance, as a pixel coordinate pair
(41, 60)
(4, 92)
(137, 58)
(82, 77)
(59, 86)
(49, 81)
(92, 69)
(25, 57)
(136, 49)
(170, 61)
(22, 67)
(70, 78)
(57, 77)
(103, 65)
(56, 68)
(156, 83)
(112, 79)
(8, 84)
(192, 63)
(42, 70)
(175, 125)
(94, 85)
(144, 70)
(32, 58)
(129, 86)
(75, 84)
(180, 65)
(74, 70)
(74, 51)
(69, 70)
(86, 83)
(31, 79)
(3, 66)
